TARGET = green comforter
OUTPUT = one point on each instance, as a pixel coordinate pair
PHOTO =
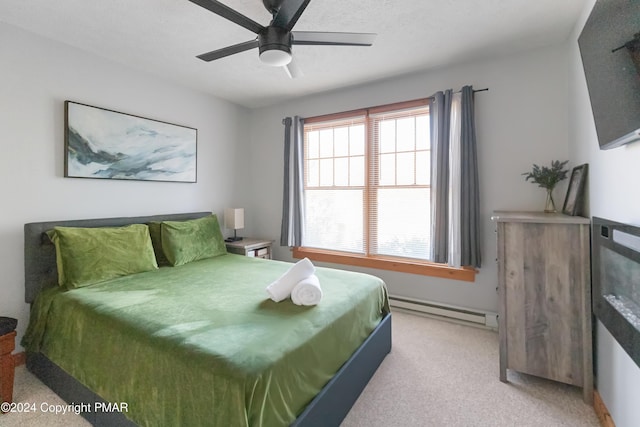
(201, 344)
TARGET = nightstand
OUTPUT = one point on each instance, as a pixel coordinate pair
(258, 248)
(7, 345)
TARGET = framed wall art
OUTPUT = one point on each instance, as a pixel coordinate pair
(574, 201)
(106, 144)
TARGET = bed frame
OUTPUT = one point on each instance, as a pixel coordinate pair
(328, 408)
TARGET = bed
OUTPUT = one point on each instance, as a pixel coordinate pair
(220, 352)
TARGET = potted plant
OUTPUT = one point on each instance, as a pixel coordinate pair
(548, 177)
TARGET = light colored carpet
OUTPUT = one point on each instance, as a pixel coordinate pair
(444, 374)
(438, 374)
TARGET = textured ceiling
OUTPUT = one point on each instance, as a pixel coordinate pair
(163, 37)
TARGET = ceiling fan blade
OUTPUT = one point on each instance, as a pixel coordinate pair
(293, 70)
(229, 50)
(289, 13)
(230, 14)
(332, 39)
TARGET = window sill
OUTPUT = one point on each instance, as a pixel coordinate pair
(424, 268)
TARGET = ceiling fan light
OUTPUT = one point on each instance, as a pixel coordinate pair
(275, 57)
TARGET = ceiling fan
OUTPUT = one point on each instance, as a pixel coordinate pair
(275, 40)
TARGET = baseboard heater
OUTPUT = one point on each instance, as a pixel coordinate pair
(448, 312)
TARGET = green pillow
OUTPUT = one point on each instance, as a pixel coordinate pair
(85, 256)
(155, 230)
(187, 241)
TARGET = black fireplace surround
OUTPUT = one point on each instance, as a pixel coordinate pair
(616, 281)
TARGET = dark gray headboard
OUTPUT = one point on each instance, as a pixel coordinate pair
(40, 255)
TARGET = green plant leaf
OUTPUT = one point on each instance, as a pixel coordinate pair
(547, 177)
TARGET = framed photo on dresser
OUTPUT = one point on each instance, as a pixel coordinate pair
(574, 201)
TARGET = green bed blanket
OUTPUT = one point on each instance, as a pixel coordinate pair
(201, 344)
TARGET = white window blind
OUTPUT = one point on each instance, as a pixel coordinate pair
(367, 182)
(335, 175)
(399, 209)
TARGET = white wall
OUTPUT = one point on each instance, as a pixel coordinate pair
(37, 76)
(613, 194)
(521, 120)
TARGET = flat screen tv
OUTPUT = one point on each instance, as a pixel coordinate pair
(610, 49)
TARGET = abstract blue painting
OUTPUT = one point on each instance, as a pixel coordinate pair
(101, 143)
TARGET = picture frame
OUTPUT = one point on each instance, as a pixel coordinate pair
(105, 144)
(574, 200)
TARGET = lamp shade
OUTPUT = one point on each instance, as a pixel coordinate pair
(234, 218)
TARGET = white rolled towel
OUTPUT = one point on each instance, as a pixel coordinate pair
(307, 291)
(281, 288)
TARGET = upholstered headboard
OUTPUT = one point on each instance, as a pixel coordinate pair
(40, 269)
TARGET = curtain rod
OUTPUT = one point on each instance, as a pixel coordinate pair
(474, 91)
(429, 97)
(458, 91)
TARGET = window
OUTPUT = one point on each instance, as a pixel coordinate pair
(366, 187)
(335, 185)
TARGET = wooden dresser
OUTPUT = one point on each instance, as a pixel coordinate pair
(544, 288)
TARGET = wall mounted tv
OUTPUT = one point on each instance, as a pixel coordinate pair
(610, 49)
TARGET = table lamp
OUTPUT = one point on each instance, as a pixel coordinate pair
(234, 219)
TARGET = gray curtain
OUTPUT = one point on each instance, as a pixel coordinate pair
(292, 199)
(440, 118)
(470, 199)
